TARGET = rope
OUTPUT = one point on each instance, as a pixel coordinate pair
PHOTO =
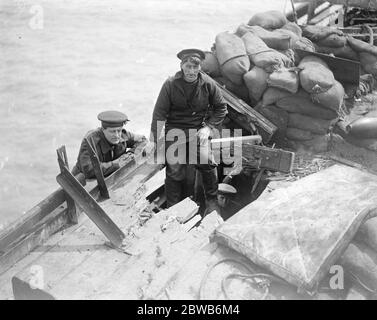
(249, 276)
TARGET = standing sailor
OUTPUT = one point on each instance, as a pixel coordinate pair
(189, 100)
(113, 145)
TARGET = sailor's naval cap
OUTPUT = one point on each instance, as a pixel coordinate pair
(191, 53)
(225, 188)
(112, 118)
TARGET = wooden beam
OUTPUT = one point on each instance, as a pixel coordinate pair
(97, 171)
(248, 118)
(47, 217)
(90, 206)
(63, 162)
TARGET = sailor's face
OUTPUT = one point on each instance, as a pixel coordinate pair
(113, 135)
(222, 200)
(190, 71)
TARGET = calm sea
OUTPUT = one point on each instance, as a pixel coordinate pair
(62, 62)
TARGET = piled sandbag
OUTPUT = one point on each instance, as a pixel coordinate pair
(301, 103)
(241, 91)
(330, 40)
(262, 56)
(210, 65)
(332, 98)
(256, 82)
(232, 57)
(279, 39)
(278, 117)
(294, 27)
(314, 125)
(286, 79)
(269, 20)
(315, 75)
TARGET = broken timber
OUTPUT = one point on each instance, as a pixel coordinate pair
(246, 116)
(90, 206)
(97, 171)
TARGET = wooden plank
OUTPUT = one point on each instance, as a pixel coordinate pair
(31, 218)
(98, 172)
(344, 70)
(90, 207)
(183, 210)
(86, 240)
(21, 237)
(246, 116)
(270, 159)
(33, 239)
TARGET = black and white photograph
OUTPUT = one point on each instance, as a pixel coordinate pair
(188, 155)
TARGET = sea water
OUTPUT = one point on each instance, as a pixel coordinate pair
(63, 62)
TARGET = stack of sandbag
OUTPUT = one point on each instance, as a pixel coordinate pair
(330, 40)
(242, 61)
(310, 96)
(367, 54)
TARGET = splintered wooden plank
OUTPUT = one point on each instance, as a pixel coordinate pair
(90, 207)
(246, 116)
(183, 210)
(156, 250)
(49, 216)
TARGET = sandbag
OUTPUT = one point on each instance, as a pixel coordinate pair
(294, 27)
(301, 103)
(271, 95)
(333, 40)
(228, 46)
(345, 52)
(286, 79)
(316, 33)
(290, 54)
(231, 54)
(276, 115)
(304, 44)
(210, 65)
(367, 233)
(269, 20)
(361, 46)
(256, 82)
(361, 261)
(319, 143)
(332, 98)
(240, 91)
(315, 75)
(274, 40)
(369, 62)
(298, 134)
(314, 125)
(262, 56)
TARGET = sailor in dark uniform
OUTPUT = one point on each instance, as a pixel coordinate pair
(189, 100)
(113, 145)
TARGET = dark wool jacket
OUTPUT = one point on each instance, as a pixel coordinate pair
(207, 106)
(105, 151)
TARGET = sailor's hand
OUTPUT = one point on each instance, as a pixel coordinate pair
(149, 148)
(204, 134)
(124, 159)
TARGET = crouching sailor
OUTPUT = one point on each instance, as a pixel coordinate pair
(113, 145)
